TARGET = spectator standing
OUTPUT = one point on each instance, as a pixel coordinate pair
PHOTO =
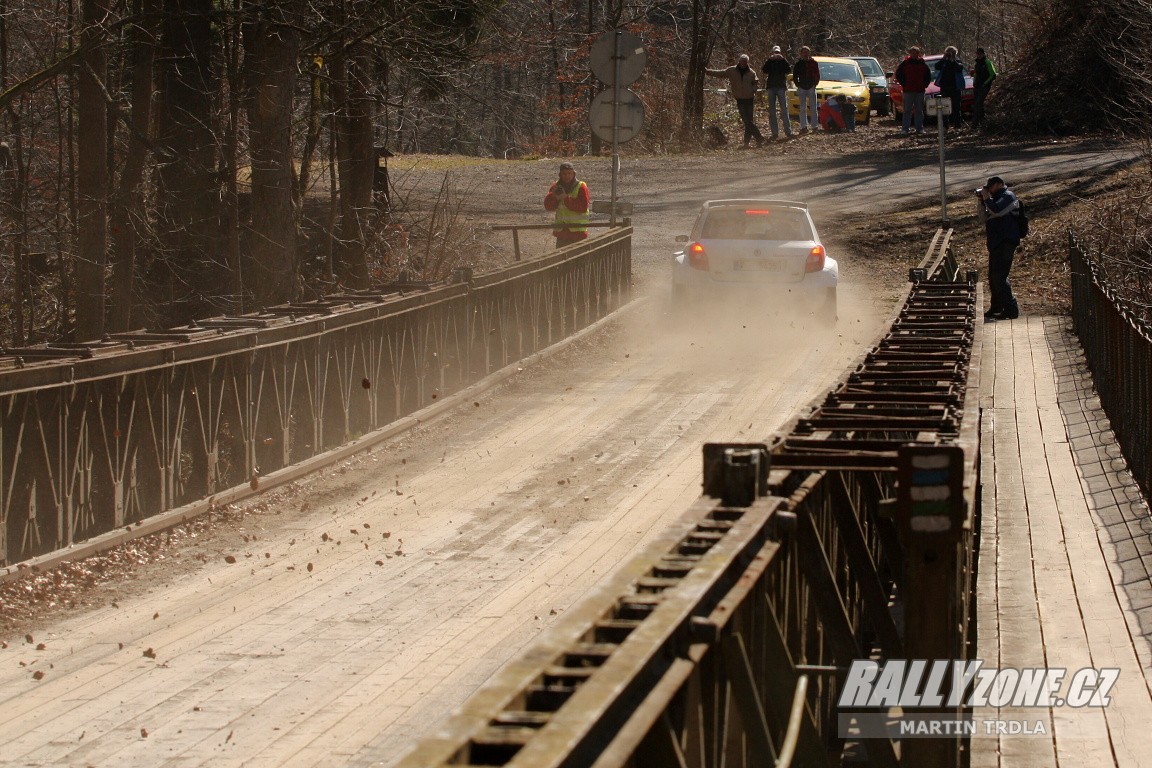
(776, 70)
(570, 199)
(806, 76)
(742, 82)
(950, 78)
(998, 206)
(983, 73)
(914, 75)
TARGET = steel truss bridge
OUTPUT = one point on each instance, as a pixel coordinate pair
(725, 642)
(849, 535)
(104, 436)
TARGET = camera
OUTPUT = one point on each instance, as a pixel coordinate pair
(979, 190)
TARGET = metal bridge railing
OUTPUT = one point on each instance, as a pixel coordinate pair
(1118, 348)
(726, 641)
(99, 436)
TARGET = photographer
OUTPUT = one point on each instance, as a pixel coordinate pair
(570, 199)
(997, 206)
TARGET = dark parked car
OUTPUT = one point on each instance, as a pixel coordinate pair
(877, 83)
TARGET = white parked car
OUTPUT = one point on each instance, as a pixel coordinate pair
(767, 251)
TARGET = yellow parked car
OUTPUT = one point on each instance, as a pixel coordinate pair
(837, 76)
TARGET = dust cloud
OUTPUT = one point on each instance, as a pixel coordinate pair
(775, 357)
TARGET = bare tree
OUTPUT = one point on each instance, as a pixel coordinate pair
(355, 108)
(92, 181)
(188, 267)
(127, 215)
(707, 17)
(198, 99)
(272, 46)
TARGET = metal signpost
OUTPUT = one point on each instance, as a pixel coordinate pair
(940, 106)
(616, 114)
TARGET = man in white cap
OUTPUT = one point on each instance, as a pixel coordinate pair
(776, 70)
(742, 82)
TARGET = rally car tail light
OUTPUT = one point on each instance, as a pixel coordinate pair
(697, 258)
(815, 261)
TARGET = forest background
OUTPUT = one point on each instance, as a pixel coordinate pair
(168, 160)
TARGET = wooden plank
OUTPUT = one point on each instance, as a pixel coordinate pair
(985, 752)
(1065, 636)
(1101, 597)
(1006, 555)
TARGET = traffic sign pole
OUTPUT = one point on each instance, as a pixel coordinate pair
(940, 106)
(616, 58)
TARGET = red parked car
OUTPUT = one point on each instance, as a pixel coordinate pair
(967, 96)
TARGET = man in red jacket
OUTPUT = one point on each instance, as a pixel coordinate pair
(569, 198)
(806, 75)
(914, 74)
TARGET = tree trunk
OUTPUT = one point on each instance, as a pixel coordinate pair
(189, 268)
(356, 160)
(14, 226)
(127, 205)
(594, 145)
(555, 55)
(92, 181)
(11, 184)
(229, 107)
(272, 48)
(312, 138)
(692, 113)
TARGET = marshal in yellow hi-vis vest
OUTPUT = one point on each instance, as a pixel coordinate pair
(570, 199)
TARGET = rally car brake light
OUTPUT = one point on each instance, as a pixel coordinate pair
(815, 260)
(697, 258)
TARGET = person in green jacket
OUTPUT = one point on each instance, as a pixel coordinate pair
(983, 73)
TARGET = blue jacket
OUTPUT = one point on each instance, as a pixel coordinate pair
(949, 76)
(1001, 225)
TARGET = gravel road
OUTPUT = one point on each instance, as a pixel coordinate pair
(360, 609)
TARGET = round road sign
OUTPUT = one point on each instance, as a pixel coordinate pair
(629, 113)
(618, 47)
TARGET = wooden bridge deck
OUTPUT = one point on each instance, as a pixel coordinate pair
(1066, 550)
